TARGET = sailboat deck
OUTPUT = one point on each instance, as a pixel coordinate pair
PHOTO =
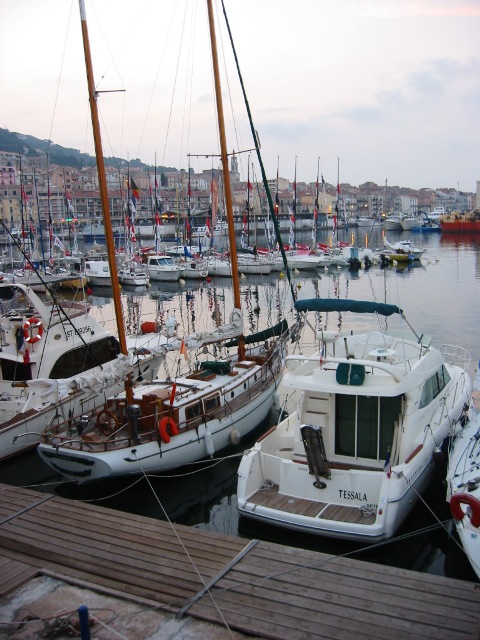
(272, 499)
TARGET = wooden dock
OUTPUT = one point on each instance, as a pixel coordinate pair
(263, 589)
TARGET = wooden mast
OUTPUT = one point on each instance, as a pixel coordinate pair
(226, 175)
(107, 220)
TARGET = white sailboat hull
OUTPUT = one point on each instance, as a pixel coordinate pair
(463, 480)
(246, 399)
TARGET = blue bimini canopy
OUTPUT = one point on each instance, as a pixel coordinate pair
(358, 306)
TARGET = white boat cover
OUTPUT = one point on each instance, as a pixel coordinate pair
(54, 390)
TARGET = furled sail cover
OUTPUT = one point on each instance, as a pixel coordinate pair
(112, 373)
(195, 340)
(357, 306)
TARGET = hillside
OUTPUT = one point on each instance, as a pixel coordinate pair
(31, 147)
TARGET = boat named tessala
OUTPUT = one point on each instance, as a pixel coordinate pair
(352, 459)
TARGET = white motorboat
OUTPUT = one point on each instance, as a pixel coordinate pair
(307, 261)
(58, 362)
(353, 457)
(193, 268)
(392, 223)
(365, 221)
(401, 251)
(98, 273)
(133, 274)
(463, 485)
(162, 268)
(436, 214)
(253, 265)
(408, 221)
(218, 266)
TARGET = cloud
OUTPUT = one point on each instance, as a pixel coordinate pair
(418, 8)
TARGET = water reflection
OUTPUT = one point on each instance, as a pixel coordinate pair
(440, 298)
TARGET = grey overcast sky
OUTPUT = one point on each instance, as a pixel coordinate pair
(391, 87)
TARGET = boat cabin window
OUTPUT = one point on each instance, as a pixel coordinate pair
(85, 357)
(210, 404)
(15, 371)
(194, 411)
(364, 425)
(434, 385)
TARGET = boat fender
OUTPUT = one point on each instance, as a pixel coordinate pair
(167, 427)
(235, 436)
(465, 498)
(209, 443)
(149, 327)
(31, 326)
(276, 402)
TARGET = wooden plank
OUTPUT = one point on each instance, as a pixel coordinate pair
(14, 573)
(272, 499)
(271, 592)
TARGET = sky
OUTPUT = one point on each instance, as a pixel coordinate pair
(363, 90)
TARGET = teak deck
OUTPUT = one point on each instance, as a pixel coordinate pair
(301, 506)
(263, 589)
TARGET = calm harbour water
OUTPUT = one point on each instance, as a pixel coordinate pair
(440, 296)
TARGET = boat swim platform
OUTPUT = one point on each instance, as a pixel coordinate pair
(261, 589)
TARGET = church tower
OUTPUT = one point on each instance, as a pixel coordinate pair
(234, 174)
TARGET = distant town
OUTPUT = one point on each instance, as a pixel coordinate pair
(60, 193)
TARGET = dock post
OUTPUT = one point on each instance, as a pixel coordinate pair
(84, 624)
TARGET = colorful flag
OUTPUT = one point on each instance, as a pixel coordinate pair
(58, 243)
(183, 350)
(172, 395)
(387, 467)
(134, 189)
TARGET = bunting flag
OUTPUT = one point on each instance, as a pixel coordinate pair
(68, 202)
(249, 186)
(134, 190)
(387, 466)
(291, 236)
(24, 195)
(183, 350)
(172, 395)
(277, 204)
(214, 200)
(58, 243)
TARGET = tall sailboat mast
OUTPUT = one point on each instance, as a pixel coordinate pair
(226, 175)
(107, 220)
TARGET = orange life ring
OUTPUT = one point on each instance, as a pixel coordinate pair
(167, 427)
(465, 498)
(31, 325)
